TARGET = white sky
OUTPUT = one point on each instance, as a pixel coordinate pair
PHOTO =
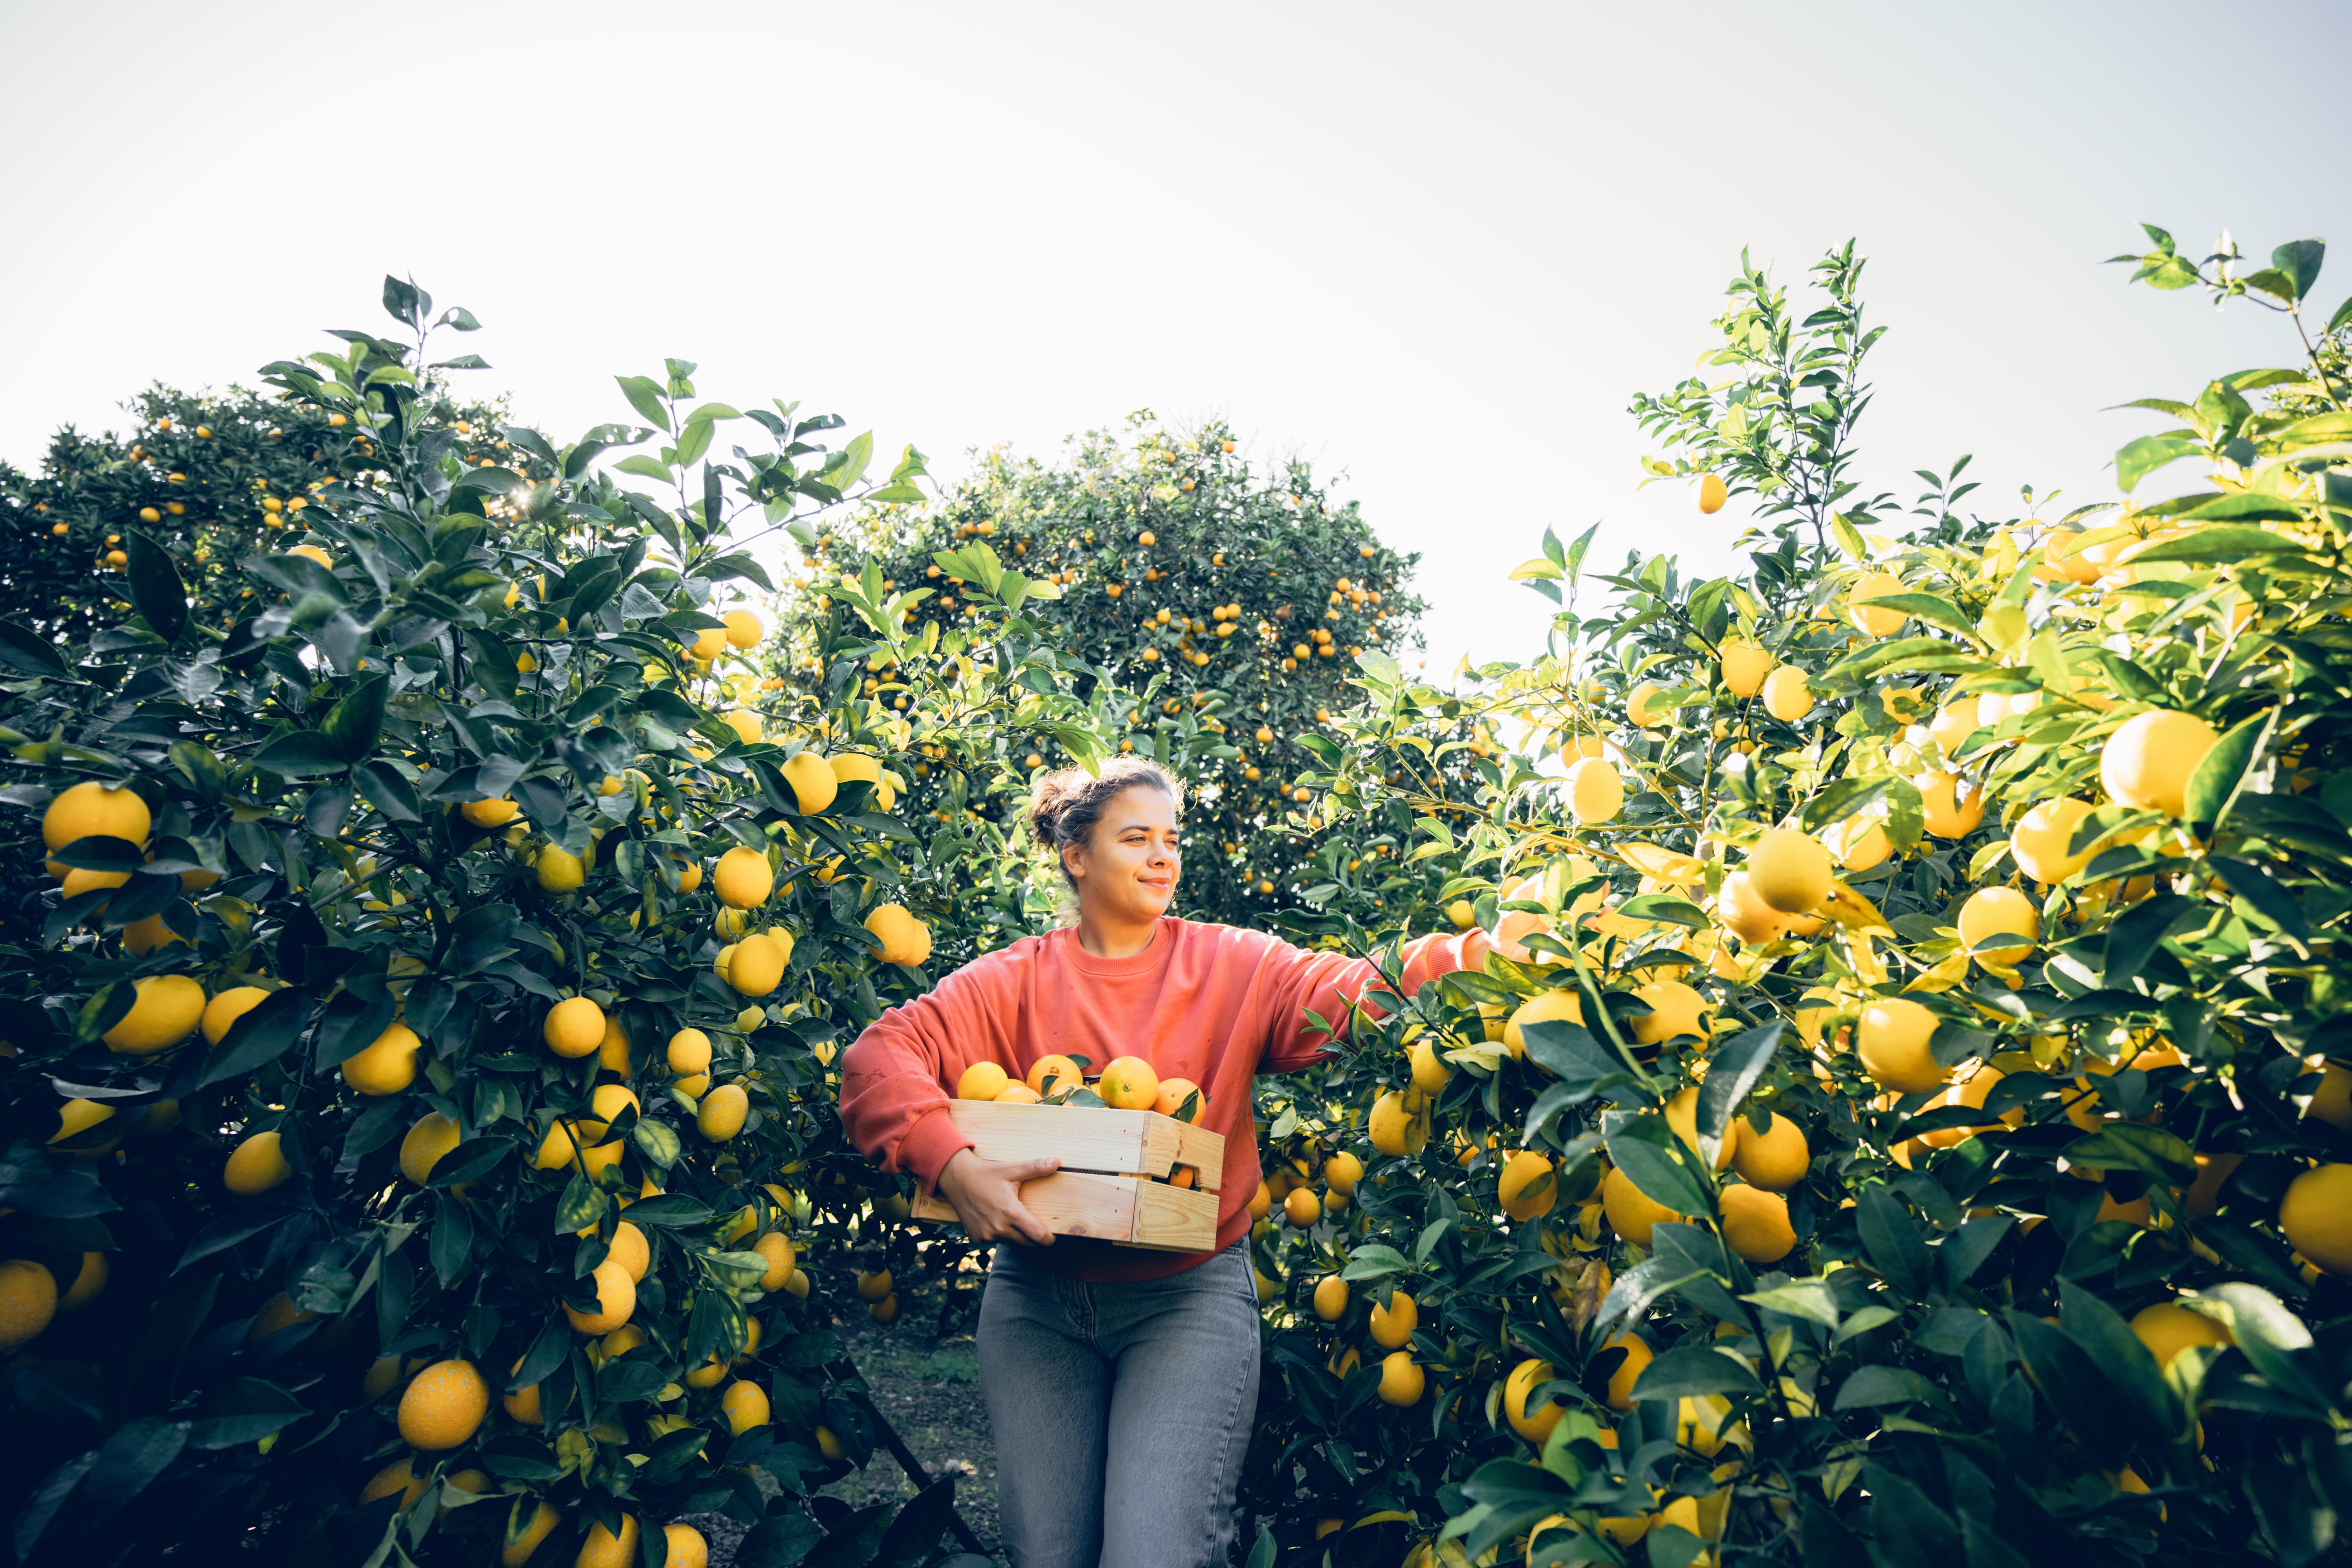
(1433, 248)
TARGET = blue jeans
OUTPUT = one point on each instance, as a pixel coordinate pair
(1121, 1412)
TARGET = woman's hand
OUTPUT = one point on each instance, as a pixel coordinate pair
(987, 1196)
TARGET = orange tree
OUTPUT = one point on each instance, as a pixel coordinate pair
(1905, 1119)
(1210, 611)
(416, 1090)
(212, 476)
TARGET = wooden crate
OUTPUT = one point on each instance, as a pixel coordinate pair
(1105, 1187)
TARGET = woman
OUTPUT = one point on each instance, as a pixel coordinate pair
(1121, 1383)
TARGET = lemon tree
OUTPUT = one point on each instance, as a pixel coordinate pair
(1903, 1117)
(421, 994)
(1210, 611)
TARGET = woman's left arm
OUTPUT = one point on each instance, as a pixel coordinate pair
(1331, 985)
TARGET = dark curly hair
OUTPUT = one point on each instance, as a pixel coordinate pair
(1064, 805)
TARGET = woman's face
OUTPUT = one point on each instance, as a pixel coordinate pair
(1127, 869)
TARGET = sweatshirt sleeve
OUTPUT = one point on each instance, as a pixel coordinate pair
(1331, 984)
(894, 1098)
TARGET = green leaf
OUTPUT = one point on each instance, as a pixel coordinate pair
(354, 725)
(1689, 1371)
(1666, 910)
(1891, 1237)
(2129, 1145)
(645, 467)
(1659, 1164)
(1734, 1069)
(2270, 898)
(2213, 785)
(645, 395)
(2139, 459)
(2121, 1359)
(156, 591)
(1927, 607)
(2207, 545)
(2299, 260)
(20, 648)
(1810, 1300)
(1867, 1387)
(300, 753)
(260, 1037)
(1374, 1262)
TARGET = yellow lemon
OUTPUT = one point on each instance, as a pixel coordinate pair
(1632, 1214)
(28, 1300)
(2145, 764)
(1524, 1379)
(574, 1028)
(2316, 1216)
(689, 1052)
(1394, 1319)
(721, 1113)
(558, 872)
(1874, 620)
(421, 1147)
(1674, 1009)
(757, 966)
(905, 940)
(1525, 1190)
(2041, 841)
(743, 878)
(387, 1065)
(1544, 1007)
(1682, 1120)
(1712, 493)
(814, 784)
(1786, 696)
(1745, 665)
(1790, 870)
(165, 1010)
(256, 1165)
(1401, 1379)
(226, 1008)
(1894, 1045)
(617, 1299)
(1775, 1159)
(442, 1406)
(1995, 912)
(1953, 806)
(1596, 793)
(1756, 1223)
(95, 810)
(983, 1081)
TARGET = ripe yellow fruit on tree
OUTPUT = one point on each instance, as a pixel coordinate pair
(1790, 870)
(256, 1165)
(387, 1065)
(1953, 806)
(1674, 1009)
(617, 1299)
(777, 1248)
(1544, 1007)
(721, 1113)
(2316, 1216)
(1997, 913)
(1638, 706)
(494, 813)
(526, 1531)
(603, 1549)
(2145, 764)
(95, 810)
(1745, 665)
(1596, 792)
(1524, 1379)
(1712, 493)
(574, 1028)
(1775, 1159)
(165, 1010)
(1756, 1223)
(745, 1405)
(1330, 1298)
(905, 940)
(1401, 1379)
(28, 1300)
(2041, 840)
(756, 967)
(1682, 1120)
(814, 784)
(743, 629)
(1632, 1212)
(1744, 913)
(421, 1149)
(688, 1052)
(1894, 1044)
(743, 879)
(1787, 697)
(226, 1009)
(1393, 1129)
(558, 872)
(1394, 1319)
(1527, 1188)
(442, 1406)
(1876, 621)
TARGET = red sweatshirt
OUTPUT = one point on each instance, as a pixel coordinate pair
(1213, 1004)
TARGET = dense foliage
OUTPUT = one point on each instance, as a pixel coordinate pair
(1907, 1122)
(1230, 603)
(1905, 1119)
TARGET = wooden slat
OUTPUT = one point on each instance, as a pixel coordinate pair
(1086, 1138)
(1122, 1209)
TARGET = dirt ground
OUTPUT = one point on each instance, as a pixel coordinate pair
(931, 1397)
